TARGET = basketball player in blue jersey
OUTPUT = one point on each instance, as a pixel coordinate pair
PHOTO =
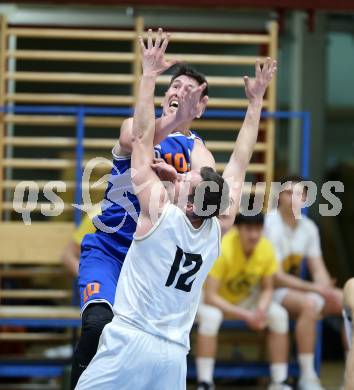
(103, 253)
(174, 247)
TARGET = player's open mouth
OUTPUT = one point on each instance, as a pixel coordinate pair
(173, 103)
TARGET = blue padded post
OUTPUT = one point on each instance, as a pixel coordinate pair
(305, 155)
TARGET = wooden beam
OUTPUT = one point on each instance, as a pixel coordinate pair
(214, 59)
(57, 55)
(35, 208)
(228, 146)
(11, 184)
(136, 66)
(252, 168)
(101, 143)
(44, 163)
(34, 337)
(60, 142)
(30, 272)
(34, 294)
(50, 98)
(61, 33)
(74, 78)
(3, 48)
(63, 120)
(40, 243)
(219, 124)
(208, 38)
(57, 312)
(270, 132)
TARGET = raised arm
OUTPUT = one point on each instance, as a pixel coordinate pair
(189, 108)
(163, 126)
(235, 170)
(148, 186)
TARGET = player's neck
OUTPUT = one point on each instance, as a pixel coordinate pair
(247, 252)
(288, 217)
(195, 221)
(184, 128)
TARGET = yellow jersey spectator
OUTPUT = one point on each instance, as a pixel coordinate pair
(240, 287)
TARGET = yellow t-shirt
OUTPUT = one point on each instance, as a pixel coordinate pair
(86, 225)
(239, 275)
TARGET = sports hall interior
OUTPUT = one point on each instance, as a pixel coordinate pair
(69, 75)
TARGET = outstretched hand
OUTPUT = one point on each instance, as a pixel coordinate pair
(164, 171)
(153, 55)
(190, 105)
(255, 88)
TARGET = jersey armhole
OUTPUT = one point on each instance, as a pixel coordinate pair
(155, 226)
(117, 156)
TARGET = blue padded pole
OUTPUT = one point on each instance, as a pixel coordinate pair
(80, 134)
(305, 156)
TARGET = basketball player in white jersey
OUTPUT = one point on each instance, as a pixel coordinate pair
(174, 247)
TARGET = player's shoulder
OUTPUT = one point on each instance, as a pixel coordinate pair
(197, 137)
(174, 215)
(308, 224)
(272, 215)
(272, 220)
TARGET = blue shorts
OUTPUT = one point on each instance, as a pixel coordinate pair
(98, 277)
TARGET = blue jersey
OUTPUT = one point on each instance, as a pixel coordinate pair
(120, 207)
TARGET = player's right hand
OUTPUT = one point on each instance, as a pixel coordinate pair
(153, 55)
(255, 320)
(255, 87)
(163, 170)
(190, 105)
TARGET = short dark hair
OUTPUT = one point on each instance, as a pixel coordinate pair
(293, 178)
(257, 219)
(219, 198)
(186, 70)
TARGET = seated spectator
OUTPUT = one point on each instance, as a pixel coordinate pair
(240, 287)
(348, 321)
(295, 239)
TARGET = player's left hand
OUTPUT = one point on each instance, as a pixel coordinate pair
(163, 170)
(255, 88)
(153, 55)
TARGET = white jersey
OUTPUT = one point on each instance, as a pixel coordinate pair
(292, 245)
(162, 276)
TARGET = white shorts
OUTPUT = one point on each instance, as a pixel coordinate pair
(280, 293)
(210, 318)
(130, 359)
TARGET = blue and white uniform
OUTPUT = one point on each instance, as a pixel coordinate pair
(146, 344)
(103, 253)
